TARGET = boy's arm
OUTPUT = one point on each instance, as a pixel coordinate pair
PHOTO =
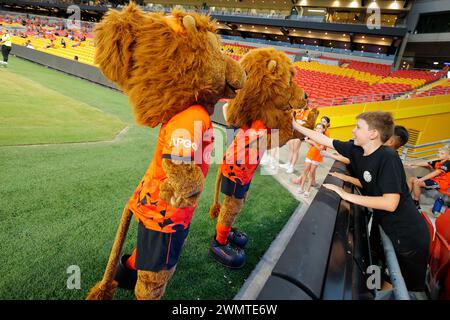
(431, 175)
(418, 164)
(388, 202)
(336, 157)
(314, 135)
(315, 144)
(344, 177)
(312, 143)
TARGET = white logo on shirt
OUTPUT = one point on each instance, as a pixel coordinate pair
(367, 176)
(185, 143)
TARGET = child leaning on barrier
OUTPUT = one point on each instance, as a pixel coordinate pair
(383, 181)
(395, 142)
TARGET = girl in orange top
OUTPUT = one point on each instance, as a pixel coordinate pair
(326, 122)
(312, 161)
(295, 144)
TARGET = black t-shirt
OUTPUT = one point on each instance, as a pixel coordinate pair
(382, 172)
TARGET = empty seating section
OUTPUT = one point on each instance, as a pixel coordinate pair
(321, 85)
(440, 89)
(373, 68)
(235, 51)
(417, 74)
(358, 82)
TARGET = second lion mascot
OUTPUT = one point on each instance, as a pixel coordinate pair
(262, 110)
(174, 72)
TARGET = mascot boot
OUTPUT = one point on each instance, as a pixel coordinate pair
(224, 248)
(238, 238)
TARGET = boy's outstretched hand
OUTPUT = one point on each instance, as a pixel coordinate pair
(295, 124)
(335, 188)
(338, 175)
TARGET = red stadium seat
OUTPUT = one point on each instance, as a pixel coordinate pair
(439, 264)
(443, 225)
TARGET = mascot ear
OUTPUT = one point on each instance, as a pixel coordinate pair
(272, 65)
(114, 37)
(189, 24)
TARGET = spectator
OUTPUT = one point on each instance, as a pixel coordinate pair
(78, 43)
(438, 178)
(50, 45)
(383, 180)
(29, 45)
(326, 122)
(398, 139)
(295, 144)
(63, 43)
(395, 142)
(75, 58)
(6, 47)
(312, 161)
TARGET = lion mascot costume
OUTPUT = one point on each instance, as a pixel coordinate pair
(261, 111)
(174, 72)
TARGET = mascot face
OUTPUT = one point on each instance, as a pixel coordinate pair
(270, 90)
(165, 63)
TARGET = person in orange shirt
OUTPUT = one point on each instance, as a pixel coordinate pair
(312, 161)
(326, 122)
(295, 144)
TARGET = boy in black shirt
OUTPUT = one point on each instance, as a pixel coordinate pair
(383, 180)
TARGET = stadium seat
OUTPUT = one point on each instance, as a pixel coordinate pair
(349, 82)
(439, 272)
(443, 225)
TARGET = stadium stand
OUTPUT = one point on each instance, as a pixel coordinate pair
(348, 82)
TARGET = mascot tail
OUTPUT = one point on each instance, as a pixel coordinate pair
(104, 290)
(215, 207)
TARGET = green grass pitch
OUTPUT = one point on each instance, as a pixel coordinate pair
(60, 202)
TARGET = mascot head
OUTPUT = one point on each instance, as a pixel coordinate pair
(165, 64)
(269, 92)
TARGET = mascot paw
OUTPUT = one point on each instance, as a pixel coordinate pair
(178, 200)
(182, 201)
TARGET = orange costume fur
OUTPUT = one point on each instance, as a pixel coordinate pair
(266, 102)
(174, 72)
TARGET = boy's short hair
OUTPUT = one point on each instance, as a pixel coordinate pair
(381, 121)
(327, 119)
(401, 136)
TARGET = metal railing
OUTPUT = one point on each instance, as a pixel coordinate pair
(398, 283)
(315, 48)
(426, 151)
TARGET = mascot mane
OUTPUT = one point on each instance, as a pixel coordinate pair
(157, 92)
(270, 73)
